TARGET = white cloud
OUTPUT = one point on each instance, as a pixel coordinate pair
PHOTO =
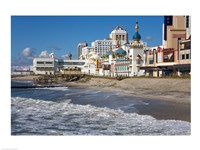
(28, 52)
(44, 54)
(148, 37)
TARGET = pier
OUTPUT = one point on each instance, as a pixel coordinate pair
(58, 78)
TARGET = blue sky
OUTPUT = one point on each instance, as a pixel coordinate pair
(34, 36)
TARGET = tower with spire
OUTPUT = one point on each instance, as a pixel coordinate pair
(136, 36)
(136, 53)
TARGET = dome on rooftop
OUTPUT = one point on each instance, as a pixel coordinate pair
(120, 52)
(94, 56)
(136, 36)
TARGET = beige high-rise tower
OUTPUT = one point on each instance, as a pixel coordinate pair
(174, 30)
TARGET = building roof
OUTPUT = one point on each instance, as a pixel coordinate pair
(119, 29)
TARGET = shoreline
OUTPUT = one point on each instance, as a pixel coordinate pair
(172, 104)
(167, 98)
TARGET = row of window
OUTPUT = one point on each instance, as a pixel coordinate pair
(103, 43)
(119, 68)
(42, 63)
(123, 62)
(122, 37)
(71, 63)
(185, 56)
(60, 63)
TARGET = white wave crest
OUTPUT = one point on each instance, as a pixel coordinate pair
(34, 116)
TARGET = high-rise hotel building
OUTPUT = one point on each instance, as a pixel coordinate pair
(80, 47)
(102, 46)
(174, 30)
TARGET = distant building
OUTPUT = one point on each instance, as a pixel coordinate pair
(118, 56)
(125, 60)
(103, 46)
(80, 47)
(21, 70)
(51, 66)
(119, 33)
(85, 52)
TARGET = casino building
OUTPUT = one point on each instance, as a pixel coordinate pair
(126, 59)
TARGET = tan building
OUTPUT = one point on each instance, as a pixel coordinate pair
(174, 31)
(174, 58)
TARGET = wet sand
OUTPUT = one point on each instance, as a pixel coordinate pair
(167, 110)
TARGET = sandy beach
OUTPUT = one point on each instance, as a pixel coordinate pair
(174, 92)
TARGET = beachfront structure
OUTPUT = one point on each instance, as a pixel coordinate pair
(116, 56)
(174, 57)
(115, 62)
(114, 65)
(162, 62)
(126, 59)
(46, 66)
(184, 54)
(51, 66)
(70, 66)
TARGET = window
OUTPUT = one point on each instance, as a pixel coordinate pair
(49, 63)
(151, 61)
(183, 56)
(185, 45)
(187, 21)
(40, 62)
(187, 56)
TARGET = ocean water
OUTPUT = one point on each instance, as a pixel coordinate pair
(64, 111)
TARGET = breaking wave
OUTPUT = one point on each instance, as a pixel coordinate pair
(40, 117)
